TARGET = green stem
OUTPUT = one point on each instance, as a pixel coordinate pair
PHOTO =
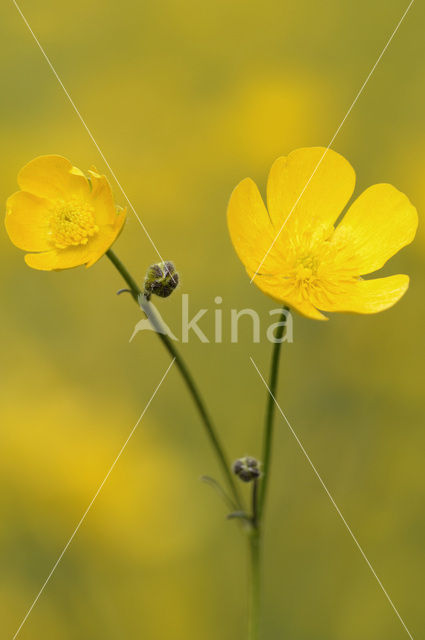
(255, 503)
(255, 568)
(268, 430)
(188, 379)
(254, 584)
(259, 491)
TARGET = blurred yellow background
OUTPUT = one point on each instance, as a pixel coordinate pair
(185, 99)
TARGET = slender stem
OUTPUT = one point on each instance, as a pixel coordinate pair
(268, 430)
(188, 379)
(255, 569)
(134, 287)
(255, 503)
(259, 491)
(254, 605)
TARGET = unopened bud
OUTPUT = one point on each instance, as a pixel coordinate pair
(161, 279)
(247, 469)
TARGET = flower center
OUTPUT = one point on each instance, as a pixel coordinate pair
(307, 251)
(306, 267)
(310, 259)
(72, 224)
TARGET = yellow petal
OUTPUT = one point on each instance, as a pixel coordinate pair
(377, 225)
(97, 246)
(100, 244)
(102, 199)
(27, 221)
(279, 290)
(364, 296)
(249, 224)
(309, 187)
(53, 177)
(58, 259)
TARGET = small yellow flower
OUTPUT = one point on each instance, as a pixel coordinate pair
(63, 216)
(314, 264)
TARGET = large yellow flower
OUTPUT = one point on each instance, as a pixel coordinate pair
(68, 219)
(314, 264)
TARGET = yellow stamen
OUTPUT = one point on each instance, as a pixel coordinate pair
(72, 224)
(310, 260)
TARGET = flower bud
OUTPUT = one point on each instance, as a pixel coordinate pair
(247, 469)
(161, 279)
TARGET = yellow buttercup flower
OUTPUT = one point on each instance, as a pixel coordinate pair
(62, 216)
(315, 265)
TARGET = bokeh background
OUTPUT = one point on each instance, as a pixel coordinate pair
(186, 98)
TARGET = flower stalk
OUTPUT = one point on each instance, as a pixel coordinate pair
(254, 584)
(259, 491)
(189, 381)
(255, 568)
(268, 428)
